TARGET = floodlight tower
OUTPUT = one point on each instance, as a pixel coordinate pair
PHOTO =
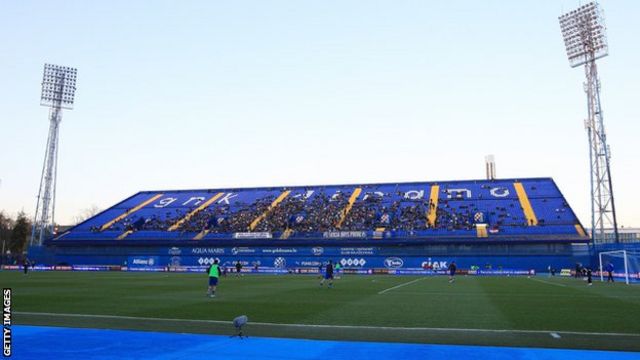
(585, 39)
(58, 92)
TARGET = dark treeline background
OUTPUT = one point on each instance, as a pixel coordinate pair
(14, 232)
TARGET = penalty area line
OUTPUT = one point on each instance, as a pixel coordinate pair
(323, 326)
(399, 286)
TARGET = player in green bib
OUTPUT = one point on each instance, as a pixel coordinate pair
(214, 274)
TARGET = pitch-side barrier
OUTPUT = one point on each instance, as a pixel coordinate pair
(271, 270)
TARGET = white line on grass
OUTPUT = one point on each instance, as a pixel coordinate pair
(399, 286)
(548, 282)
(353, 327)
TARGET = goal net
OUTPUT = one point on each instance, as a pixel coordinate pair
(625, 265)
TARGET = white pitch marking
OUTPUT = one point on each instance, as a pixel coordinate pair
(548, 282)
(354, 327)
(399, 286)
(555, 335)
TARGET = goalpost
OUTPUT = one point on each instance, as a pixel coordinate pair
(620, 259)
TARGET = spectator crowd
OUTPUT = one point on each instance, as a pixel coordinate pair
(323, 212)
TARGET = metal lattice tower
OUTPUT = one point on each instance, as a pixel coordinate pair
(58, 92)
(584, 34)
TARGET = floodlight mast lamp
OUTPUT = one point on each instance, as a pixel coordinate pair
(58, 92)
(584, 34)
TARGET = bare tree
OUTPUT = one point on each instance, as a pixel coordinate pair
(86, 214)
(6, 226)
(19, 234)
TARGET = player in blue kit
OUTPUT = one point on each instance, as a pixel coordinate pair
(452, 271)
(328, 274)
(609, 270)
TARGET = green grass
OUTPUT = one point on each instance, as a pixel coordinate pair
(428, 310)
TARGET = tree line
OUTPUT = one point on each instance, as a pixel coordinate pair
(14, 233)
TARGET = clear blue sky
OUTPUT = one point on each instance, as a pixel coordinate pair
(206, 94)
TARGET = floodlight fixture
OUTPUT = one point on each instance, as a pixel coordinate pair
(58, 86)
(58, 92)
(584, 34)
(585, 39)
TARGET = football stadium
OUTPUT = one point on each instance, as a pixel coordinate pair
(491, 268)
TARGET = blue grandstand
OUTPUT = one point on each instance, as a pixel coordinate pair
(528, 209)
(449, 218)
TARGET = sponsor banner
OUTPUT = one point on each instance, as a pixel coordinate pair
(242, 251)
(41, 267)
(252, 235)
(143, 261)
(147, 268)
(617, 275)
(279, 251)
(232, 270)
(307, 271)
(415, 271)
(565, 272)
(199, 251)
(348, 256)
(206, 261)
(355, 262)
(358, 271)
(97, 268)
(263, 270)
(393, 262)
(187, 269)
(280, 263)
(10, 267)
(344, 234)
(314, 263)
(232, 264)
(357, 251)
(503, 272)
(175, 261)
(62, 268)
(430, 264)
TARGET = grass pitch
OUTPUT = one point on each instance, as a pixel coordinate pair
(503, 311)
